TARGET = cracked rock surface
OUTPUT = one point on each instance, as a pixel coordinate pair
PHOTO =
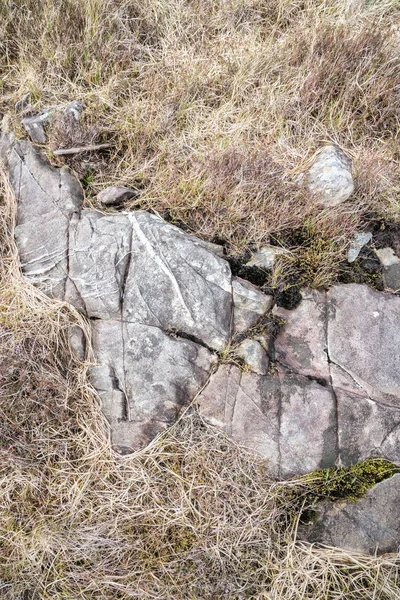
(335, 398)
(370, 525)
(162, 304)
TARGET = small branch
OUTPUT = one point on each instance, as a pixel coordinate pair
(63, 151)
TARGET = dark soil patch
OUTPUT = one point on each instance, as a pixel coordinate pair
(365, 269)
(387, 235)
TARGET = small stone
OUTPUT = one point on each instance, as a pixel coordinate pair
(77, 342)
(265, 257)
(391, 277)
(357, 243)
(330, 178)
(254, 355)
(370, 525)
(74, 109)
(250, 304)
(115, 195)
(387, 257)
(34, 126)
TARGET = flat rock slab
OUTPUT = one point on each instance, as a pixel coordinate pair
(160, 302)
(337, 389)
(370, 525)
(287, 418)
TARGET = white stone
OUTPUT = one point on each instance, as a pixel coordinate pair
(330, 178)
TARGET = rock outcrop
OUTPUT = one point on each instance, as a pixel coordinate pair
(163, 307)
(370, 525)
(162, 304)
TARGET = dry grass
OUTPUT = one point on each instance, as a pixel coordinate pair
(213, 108)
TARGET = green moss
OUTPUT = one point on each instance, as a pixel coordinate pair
(349, 483)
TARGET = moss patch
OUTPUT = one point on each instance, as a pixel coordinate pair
(349, 483)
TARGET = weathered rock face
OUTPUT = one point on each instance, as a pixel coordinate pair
(370, 525)
(160, 302)
(330, 178)
(337, 390)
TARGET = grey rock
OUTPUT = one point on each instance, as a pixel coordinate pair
(301, 344)
(391, 268)
(100, 249)
(144, 378)
(115, 195)
(22, 103)
(250, 304)
(160, 302)
(357, 243)
(35, 126)
(369, 526)
(387, 257)
(196, 284)
(363, 333)
(329, 178)
(391, 278)
(74, 109)
(216, 249)
(266, 256)
(235, 402)
(151, 291)
(254, 355)
(288, 419)
(366, 428)
(77, 342)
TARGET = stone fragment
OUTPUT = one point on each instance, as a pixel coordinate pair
(196, 285)
(22, 103)
(35, 126)
(266, 256)
(77, 342)
(391, 268)
(387, 257)
(357, 243)
(301, 343)
(144, 378)
(286, 418)
(330, 178)
(254, 355)
(250, 304)
(391, 278)
(74, 109)
(367, 428)
(363, 337)
(115, 195)
(369, 526)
